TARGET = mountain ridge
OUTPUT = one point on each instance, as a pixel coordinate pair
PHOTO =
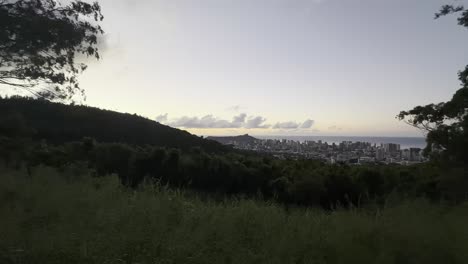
(59, 123)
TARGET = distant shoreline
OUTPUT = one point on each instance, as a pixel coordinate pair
(317, 136)
(405, 142)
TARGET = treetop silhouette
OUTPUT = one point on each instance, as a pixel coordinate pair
(39, 41)
(446, 123)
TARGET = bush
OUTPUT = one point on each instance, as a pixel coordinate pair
(72, 217)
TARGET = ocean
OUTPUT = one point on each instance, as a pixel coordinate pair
(405, 142)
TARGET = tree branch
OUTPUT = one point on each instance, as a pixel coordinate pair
(15, 84)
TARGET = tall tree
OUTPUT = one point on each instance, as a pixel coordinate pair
(446, 123)
(39, 40)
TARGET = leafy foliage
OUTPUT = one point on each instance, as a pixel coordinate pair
(72, 217)
(39, 41)
(446, 123)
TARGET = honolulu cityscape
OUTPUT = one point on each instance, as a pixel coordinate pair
(348, 152)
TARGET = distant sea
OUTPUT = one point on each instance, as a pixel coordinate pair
(405, 142)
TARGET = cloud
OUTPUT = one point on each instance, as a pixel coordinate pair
(307, 124)
(161, 118)
(294, 125)
(286, 125)
(208, 121)
(256, 122)
(240, 118)
(238, 121)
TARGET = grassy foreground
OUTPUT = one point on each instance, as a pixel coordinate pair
(70, 217)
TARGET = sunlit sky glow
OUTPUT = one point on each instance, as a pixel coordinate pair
(282, 67)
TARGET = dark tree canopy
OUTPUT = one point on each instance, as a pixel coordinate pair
(39, 40)
(446, 123)
(59, 123)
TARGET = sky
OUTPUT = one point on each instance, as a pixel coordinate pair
(276, 67)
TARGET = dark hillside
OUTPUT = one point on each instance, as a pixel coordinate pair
(59, 123)
(243, 139)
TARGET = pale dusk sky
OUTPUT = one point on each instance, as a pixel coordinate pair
(276, 67)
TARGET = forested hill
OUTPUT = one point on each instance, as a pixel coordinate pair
(243, 139)
(58, 123)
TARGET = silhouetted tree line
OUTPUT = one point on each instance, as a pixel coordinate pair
(300, 182)
(59, 123)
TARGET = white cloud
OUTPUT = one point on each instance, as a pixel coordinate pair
(307, 124)
(256, 122)
(294, 125)
(207, 121)
(286, 125)
(238, 121)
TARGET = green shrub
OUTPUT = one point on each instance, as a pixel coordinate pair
(72, 217)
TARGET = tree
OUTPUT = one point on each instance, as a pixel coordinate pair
(39, 40)
(446, 123)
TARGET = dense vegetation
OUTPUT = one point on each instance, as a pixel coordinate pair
(60, 123)
(42, 133)
(71, 217)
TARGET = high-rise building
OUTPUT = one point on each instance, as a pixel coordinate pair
(380, 154)
(415, 154)
(405, 154)
(391, 148)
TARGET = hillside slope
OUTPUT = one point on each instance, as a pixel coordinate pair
(243, 139)
(58, 123)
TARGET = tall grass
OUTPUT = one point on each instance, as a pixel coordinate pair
(71, 217)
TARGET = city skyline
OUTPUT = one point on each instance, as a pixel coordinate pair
(350, 152)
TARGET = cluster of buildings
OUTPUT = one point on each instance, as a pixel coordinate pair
(345, 152)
